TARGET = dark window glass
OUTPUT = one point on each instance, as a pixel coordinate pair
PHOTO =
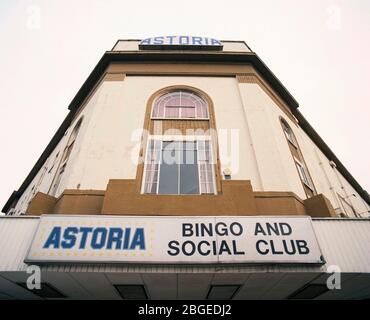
(179, 167)
(189, 179)
(169, 171)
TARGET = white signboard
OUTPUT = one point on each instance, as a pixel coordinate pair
(180, 43)
(160, 240)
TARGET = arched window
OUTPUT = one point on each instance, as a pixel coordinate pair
(180, 156)
(64, 159)
(298, 159)
(289, 133)
(180, 104)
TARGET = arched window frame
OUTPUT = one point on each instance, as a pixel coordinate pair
(180, 99)
(289, 133)
(299, 162)
(64, 158)
(149, 127)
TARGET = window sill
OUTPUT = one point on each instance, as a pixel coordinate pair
(186, 195)
(192, 119)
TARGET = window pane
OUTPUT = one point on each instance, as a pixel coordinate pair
(168, 180)
(204, 156)
(158, 111)
(189, 145)
(187, 112)
(152, 156)
(305, 177)
(302, 174)
(152, 166)
(299, 170)
(68, 151)
(205, 167)
(289, 133)
(289, 136)
(151, 188)
(201, 110)
(189, 179)
(170, 152)
(172, 112)
(169, 171)
(174, 167)
(169, 105)
(151, 178)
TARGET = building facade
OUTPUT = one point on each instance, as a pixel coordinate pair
(173, 128)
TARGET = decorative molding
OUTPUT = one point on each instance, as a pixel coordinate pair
(114, 77)
(247, 78)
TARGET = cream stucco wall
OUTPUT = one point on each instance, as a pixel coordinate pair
(251, 141)
(111, 146)
(275, 163)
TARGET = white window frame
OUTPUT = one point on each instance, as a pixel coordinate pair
(164, 138)
(180, 111)
(308, 184)
(288, 132)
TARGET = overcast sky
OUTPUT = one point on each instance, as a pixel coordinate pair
(320, 50)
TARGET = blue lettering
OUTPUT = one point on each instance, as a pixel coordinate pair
(96, 238)
(138, 239)
(215, 42)
(184, 40)
(171, 39)
(85, 231)
(99, 237)
(181, 41)
(197, 41)
(158, 40)
(53, 239)
(115, 236)
(145, 41)
(69, 237)
(126, 239)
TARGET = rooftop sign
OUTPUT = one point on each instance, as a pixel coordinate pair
(180, 240)
(180, 43)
